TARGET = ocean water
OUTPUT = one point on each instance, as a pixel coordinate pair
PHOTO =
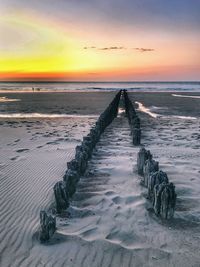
(100, 86)
(41, 106)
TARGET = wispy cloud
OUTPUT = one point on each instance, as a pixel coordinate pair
(142, 50)
(105, 48)
(109, 48)
(112, 48)
(89, 47)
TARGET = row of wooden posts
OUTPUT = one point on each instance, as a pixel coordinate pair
(160, 191)
(134, 120)
(63, 190)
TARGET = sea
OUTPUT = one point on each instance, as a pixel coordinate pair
(193, 86)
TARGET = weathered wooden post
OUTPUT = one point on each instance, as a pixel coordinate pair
(142, 156)
(136, 122)
(157, 197)
(133, 119)
(164, 200)
(47, 226)
(155, 178)
(150, 166)
(61, 196)
(71, 178)
(168, 201)
(81, 157)
(136, 136)
(73, 165)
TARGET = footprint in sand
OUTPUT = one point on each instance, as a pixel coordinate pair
(17, 158)
(22, 150)
(52, 143)
(109, 193)
(14, 158)
(117, 200)
(39, 146)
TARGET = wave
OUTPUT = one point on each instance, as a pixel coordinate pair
(146, 110)
(43, 115)
(189, 96)
(184, 117)
(5, 99)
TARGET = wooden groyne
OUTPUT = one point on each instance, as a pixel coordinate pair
(133, 119)
(64, 190)
(161, 192)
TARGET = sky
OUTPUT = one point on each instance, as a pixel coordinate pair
(100, 40)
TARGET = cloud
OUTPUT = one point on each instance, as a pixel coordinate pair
(105, 48)
(112, 48)
(109, 48)
(89, 47)
(142, 50)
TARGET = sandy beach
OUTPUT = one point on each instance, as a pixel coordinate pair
(110, 221)
(99, 133)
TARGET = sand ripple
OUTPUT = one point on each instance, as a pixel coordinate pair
(27, 177)
(110, 221)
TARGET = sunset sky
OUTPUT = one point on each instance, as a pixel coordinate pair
(100, 40)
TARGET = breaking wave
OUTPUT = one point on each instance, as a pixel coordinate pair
(146, 110)
(5, 99)
(188, 96)
(43, 115)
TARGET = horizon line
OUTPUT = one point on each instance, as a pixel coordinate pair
(146, 81)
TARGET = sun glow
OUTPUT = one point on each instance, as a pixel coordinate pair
(31, 46)
(34, 46)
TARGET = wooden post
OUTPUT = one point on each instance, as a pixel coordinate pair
(142, 156)
(47, 226)
(71, 178)
(136, 136)
(164, 200)
(156, 178)
(150, 166)
(61, 196)
(168, 201)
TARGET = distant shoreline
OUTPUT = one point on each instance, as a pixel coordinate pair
(61, 87)
(42, 91)
(100, 81)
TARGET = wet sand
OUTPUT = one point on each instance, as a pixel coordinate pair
(168, 104)
(57, 103)
(110, 222)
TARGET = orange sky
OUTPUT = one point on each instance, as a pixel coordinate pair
(39, 46)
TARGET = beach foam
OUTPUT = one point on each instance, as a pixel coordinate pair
(5, 99)
(188, 96)
(121, 111)
(185, 117)
(146, 110)
(42, 115)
